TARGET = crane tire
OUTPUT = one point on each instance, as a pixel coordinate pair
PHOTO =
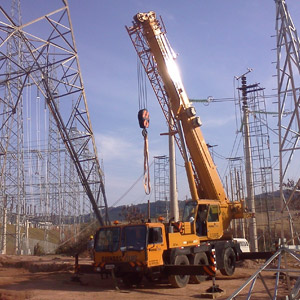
(132, 279)
(229, 259)
(198, 259)
(180, 281)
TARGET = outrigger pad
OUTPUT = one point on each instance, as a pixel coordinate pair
(213, 292)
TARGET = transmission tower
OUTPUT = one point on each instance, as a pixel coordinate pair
(54, 199)
(42, 99)
(288, 84)
(235, 187)
(161, 184)
(12, 169)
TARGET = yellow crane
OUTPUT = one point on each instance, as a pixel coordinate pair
(182, 251)
(204, 181)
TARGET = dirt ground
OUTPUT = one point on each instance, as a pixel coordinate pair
(49, 277)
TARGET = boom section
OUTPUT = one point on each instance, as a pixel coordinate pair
(209, 185)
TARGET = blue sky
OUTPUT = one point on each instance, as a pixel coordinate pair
(215, 40)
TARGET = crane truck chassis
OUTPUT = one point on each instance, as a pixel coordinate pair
(171, 250)
(133, 251)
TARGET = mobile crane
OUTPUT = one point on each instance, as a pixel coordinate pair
(179, 250)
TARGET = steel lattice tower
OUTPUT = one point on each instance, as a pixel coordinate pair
(54, 199)
(42, 102)
(288, 84)
(235, 187)
(161, 183)
(11, 107)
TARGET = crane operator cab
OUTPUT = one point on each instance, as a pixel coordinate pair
(201, 218)
(204, 218)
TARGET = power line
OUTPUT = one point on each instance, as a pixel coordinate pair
(211, 99)
(130, 188)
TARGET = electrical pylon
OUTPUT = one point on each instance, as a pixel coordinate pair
(288, 81)
(161, 184)
(12, 168)
(44, 66)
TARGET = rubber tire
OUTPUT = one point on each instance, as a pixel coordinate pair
(180, 281)
(198, 259)
(229, 260)
(131, 279)
(154, 278)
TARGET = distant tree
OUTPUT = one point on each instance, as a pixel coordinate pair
(70, 247)
(289, 184)
(132, 214)
(288, 187)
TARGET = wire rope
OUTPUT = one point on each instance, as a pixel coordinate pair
(142, 87)
(130, 188)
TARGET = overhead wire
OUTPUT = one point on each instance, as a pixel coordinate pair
(131, 187)
(226, 99)
(237, 142)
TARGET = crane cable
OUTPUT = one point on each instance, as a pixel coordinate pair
(147, 185)
(143, 117)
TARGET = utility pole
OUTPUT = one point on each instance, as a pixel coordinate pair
(248, 166)
(172, 161)
(4, 226)
(26, 248)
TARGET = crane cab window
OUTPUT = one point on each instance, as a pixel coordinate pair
(189, 211)
(107, 239)
(155, 235)
(213, 213)
(134, 237)
(201, 217)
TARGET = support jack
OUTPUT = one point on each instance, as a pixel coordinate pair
(214, 291)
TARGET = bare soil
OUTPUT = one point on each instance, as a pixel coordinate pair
(49, 277)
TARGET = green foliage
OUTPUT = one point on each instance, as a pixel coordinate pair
(71, 247)
(132, 214)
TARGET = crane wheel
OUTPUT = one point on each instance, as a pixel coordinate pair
(132, 279)
(180, 281)
(198, 259)
(229, 260)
